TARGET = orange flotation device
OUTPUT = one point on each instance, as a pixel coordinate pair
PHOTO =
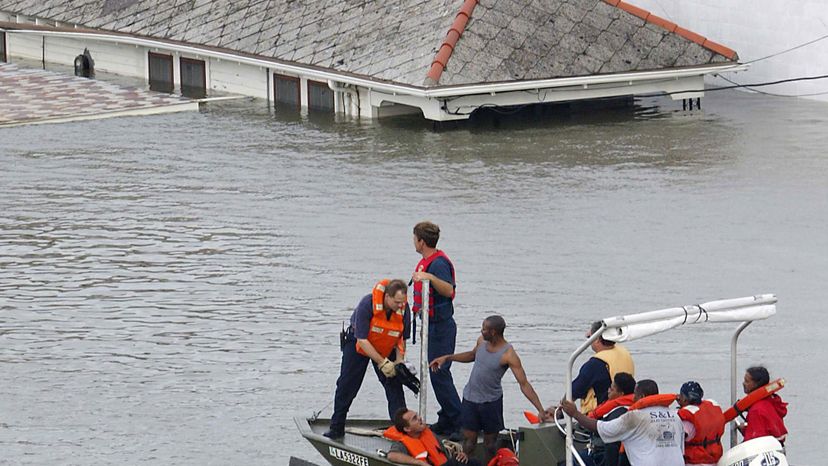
(531, 417)
(606, 407)
(661, 399)
(759, 394)
(504, 457)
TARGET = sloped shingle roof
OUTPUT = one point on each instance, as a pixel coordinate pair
(398, 41)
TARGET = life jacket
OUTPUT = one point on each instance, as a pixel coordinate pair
(706, 446)
(426, 447)
(661, 399)
(617, 359)
(423, 266)
(385, 333)
(606, 407)
(759, 394)
(504, 457)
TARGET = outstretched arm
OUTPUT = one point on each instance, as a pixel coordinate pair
(466, 356)
(585, 421)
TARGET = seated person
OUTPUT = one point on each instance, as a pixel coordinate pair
(652, 434)
(414, 443)
(704, 426)
(620, 398)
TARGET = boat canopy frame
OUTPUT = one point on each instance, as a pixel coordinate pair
(629, 327)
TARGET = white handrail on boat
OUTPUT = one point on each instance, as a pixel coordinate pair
(424, 350)
(634, 326)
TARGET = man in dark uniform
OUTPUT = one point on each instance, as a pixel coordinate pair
(436, 267)
(379, 328)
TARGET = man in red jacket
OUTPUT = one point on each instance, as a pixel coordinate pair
(765, 416)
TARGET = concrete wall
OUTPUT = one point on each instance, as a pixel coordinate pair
(758, 28)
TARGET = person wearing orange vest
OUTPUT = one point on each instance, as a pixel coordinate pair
(621, 396)
(414, 443)
(651, 431)
(377, 334)
(436, 267)
(704, 425)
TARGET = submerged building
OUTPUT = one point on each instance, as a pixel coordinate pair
(441, 58)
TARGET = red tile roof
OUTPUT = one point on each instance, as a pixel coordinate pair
(674, 28)
(454, 33)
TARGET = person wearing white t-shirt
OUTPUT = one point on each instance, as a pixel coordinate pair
(652, 435)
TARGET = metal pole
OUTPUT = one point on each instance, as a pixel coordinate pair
(424, 350)
(570, 448)
(733, 341)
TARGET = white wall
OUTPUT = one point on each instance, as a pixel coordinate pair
(125, 60)
(758, 28)
(235, 78)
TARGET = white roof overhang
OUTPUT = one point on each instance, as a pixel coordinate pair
(439, 92)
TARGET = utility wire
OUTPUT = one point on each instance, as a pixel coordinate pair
(788, 50)
(772, 93)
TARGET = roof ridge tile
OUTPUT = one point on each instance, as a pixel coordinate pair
(447, 47)
(673, 28)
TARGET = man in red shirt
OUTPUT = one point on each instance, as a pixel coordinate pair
(765, 416)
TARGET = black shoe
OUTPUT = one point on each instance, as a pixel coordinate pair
(335, 434)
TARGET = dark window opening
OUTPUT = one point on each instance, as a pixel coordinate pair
(193, 78)
(160, 72)
(286, 92)
(3, 47)
(320, 97)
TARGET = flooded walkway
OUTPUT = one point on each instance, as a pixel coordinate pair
(33, 96)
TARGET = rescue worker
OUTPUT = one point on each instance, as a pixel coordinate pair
(765, 416)
(414, 443)
(377, 334)
(651, 433)
(436, 267)
(704, 425)
(482, 407)
(595, 376)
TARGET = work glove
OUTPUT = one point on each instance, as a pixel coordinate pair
(387, 368)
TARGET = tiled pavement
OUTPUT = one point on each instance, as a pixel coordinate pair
(36, 96)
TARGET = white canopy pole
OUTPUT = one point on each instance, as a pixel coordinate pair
(733, 379)
(424, 350)
(570, 448)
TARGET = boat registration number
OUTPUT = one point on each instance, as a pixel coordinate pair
(348, 457)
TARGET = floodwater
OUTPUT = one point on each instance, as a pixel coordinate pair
(172, 287)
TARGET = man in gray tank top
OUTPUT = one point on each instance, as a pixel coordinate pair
(482, 407)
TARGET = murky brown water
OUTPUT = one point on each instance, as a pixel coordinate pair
(171, 287)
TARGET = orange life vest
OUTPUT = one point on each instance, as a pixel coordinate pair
(759, 394)
(706, 446)
(504, 457)
(423, 266)
(606, 407)
(661, 399)
(385, 333)
(426, 447)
